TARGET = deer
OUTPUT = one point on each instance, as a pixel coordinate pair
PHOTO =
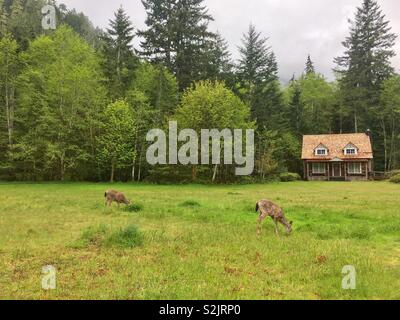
(115, 196)
(266, 209)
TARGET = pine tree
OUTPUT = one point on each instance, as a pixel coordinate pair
(3, 19)
(16, 9)
(258, 76)
(120, 58)
(295, 110)
(157, 44)
(309, 66)
(257, 62)
(177, 35)
(366, 61)
(14, 19)
(218, 61)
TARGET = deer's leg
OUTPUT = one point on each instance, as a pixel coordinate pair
(259, 224)
(276, 227)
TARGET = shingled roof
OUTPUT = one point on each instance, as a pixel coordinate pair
(335, 143)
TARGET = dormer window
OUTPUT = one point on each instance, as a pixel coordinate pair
(321, 151)
(350, 150)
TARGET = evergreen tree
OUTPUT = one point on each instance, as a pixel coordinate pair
(16, 9)
(295, 109)
(3, 19)
(366, 62)
(158, 37)
(257, 62)
(120, 61)
(309, 66)
(363, 68)
(219, 62)
(258, 76)
(177, 35)
(81, 24)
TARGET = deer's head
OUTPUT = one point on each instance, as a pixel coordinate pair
(289, 227)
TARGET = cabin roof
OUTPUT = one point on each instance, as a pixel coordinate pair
(336, 143)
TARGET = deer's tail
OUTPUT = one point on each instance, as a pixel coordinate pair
(105, 194)
(257, 207)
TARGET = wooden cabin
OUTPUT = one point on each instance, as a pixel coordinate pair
(338, 157)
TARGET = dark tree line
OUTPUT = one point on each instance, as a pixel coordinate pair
(76, 103)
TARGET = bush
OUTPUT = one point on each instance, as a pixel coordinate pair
(393, 173)
(289, 176)
(129, 237)
(395, 179)
(190, 203)
(92, 236)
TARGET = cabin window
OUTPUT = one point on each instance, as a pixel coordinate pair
(350, 151)
(355, 168)
(321, 152)
(318, 168)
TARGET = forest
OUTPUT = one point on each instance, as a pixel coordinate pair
(77, 102)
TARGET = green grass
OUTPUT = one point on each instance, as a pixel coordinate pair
(199, 242)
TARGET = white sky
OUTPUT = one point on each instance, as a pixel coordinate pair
(295, 28)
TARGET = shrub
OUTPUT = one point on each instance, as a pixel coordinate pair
(395, 179)
(128, 237)
(92, 236)
(190, 203)
(289, 176)
(393, 173)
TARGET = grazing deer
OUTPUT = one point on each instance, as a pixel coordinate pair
(268, 209)
(115, 196)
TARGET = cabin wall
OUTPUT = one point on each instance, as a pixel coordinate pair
(345, 175)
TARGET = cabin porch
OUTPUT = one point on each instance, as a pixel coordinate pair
(338, 170)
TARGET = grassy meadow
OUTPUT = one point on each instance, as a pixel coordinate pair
(199, 242)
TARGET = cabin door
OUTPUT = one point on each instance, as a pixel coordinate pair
(337, 171)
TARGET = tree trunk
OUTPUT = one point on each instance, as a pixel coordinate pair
(8, 115)
(194, 173)
(118, 62)
(112, 172)
(384, 144)
(355, 122)
(133, 168)
(215, 173)
(62, 173)
(140, 166)
(392, 144)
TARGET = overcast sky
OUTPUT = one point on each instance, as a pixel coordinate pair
(295, 28)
